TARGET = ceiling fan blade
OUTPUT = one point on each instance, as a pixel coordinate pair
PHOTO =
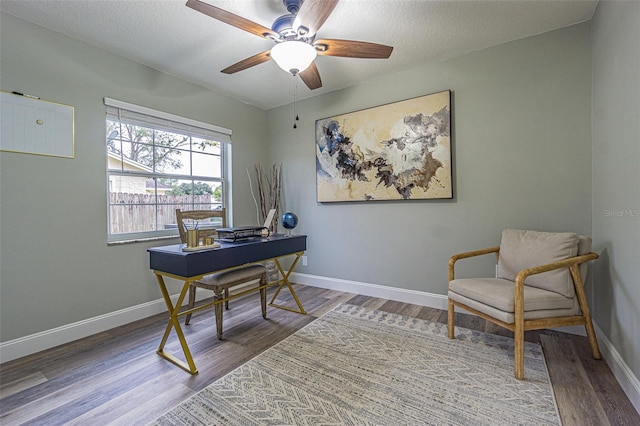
(312, 15)
(311, 77)
(352, 49)
(248, 63)
(231, 19)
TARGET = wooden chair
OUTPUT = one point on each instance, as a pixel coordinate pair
(539, 285)
(206, 222)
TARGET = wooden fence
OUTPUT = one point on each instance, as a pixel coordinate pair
(143, 212)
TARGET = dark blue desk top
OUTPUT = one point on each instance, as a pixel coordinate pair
(172, 260)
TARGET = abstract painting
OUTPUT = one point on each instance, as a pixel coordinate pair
(398, 151)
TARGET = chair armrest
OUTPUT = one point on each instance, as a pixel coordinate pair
(565, 263)
(571, 263)
(453, 259)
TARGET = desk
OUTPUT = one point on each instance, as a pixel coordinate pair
(171, 261)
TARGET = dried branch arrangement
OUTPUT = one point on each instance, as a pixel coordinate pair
(269, 187)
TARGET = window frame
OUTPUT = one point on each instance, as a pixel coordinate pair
(162, 121)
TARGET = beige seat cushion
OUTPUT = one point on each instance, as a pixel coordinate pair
(521, 249)
(222, 280)
(500, 294)
(495, 297)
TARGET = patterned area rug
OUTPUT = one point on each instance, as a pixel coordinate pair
(357, 366)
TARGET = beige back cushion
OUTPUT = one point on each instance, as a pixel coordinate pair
(525, 249)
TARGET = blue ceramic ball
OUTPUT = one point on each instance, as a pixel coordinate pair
(289, 220)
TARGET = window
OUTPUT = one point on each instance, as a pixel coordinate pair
(157, 163)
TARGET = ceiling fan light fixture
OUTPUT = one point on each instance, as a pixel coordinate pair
(293, 56)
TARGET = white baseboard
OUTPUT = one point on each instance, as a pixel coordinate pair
(47, 339)
(37, 342)
(623, 374)
(28, 345)
(374, 290)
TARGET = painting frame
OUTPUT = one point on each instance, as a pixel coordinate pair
(396, 151)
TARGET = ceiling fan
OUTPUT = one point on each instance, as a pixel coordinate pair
(295, 37)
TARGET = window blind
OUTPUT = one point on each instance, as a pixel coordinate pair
(142, 116)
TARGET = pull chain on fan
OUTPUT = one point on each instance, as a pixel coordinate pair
(295, 101)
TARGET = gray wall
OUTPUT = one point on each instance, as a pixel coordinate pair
(616, 175)
(522, 158)
(522, 142)
(56, 266)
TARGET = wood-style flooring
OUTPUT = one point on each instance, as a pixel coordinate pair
(115, 377)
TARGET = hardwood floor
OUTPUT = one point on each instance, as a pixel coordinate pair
(115, 377)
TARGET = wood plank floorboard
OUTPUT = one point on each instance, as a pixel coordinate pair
(115, 377)
(571, 385)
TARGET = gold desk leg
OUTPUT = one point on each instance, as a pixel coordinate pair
(189, 366)
(285, 281)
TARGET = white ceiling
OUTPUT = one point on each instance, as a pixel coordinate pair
(168, 36)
